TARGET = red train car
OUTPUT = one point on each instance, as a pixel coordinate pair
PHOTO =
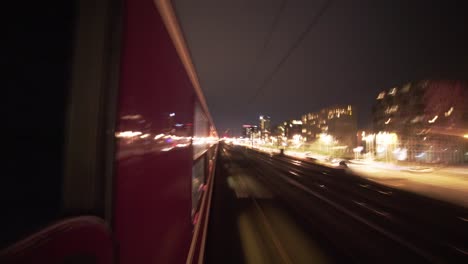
(121, 141)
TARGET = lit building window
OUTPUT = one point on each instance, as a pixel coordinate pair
(449, 112)
(297, 122)
(391, 109)
(406, 88)
(433, 119)
(381, 96)
(417, 119)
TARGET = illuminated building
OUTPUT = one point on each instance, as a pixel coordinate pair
(288, 129)
(338, 121)
(249, 131)
(292, 128)
(311, 126)
(264, 126)
(399, 108)
(279, 131)
(341, 123)
(429, 117)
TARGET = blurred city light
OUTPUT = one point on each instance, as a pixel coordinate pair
(358, 149)
(144, 135)
(449, 112)
(297, 138)
(401, 154)
(128, 134)
(433, 119)
(325, 138)
(159, 136)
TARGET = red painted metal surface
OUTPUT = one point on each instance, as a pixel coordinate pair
(81, 239)
(163, 129)
(154, 157)
(197, 248)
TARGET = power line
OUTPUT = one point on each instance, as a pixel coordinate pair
(267, 40)
(296, 44)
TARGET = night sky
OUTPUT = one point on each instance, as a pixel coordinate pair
(353, 51)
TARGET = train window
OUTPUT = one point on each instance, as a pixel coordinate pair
(39, 47)
(198, 180)
(200, 131)
(201, 145)
(60, 95)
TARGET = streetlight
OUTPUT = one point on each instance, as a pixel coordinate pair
(326, 140)
(385, 140)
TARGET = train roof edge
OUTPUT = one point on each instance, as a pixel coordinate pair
(171, 22)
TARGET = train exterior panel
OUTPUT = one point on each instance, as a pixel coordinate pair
(154, 165)
(140, 149)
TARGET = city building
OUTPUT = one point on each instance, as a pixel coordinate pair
(429, 119)
(279, 130)
(249, 131)
(279, 134)
(311, 126)
(287, 132)
(340, 122)
(292, 128)
(264, 126)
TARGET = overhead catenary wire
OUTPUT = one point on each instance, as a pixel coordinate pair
(266, 41)
(291, 50)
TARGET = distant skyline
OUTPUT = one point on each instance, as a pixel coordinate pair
(354, 51)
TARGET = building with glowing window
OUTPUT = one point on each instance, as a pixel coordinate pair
(279, 130)
(288, 129)
(249, 131)
(430, 118)
(312, 123)
(264, 126)
(340, 122)
(293, 128)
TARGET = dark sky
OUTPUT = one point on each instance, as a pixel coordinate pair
(356, 49)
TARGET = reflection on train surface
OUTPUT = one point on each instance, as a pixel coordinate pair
(113, 146)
